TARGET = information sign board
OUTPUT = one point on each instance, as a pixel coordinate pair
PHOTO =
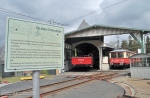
(33, 46)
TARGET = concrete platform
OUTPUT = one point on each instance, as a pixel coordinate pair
(141, 87)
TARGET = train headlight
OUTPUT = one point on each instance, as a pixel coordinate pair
(111, 63)
(121, 63)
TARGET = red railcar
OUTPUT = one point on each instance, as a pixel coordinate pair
(120, 58)
(82, 61)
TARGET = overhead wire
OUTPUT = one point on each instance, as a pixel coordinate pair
(47, 21)
(16, 13)
(12, 12)
(97, 11)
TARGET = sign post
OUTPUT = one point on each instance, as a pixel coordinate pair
(36, 90)
(32, 46)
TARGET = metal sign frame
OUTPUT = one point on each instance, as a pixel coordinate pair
(54, 33)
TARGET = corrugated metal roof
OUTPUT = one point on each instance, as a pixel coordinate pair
(120, 50)
(140, 55)
(136, 29)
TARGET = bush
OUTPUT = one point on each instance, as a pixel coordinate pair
(45, 72)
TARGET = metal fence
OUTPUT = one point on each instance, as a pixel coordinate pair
(140, 62)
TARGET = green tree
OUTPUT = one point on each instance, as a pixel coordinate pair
(2, 52)
(130, 44)
(44, 72)
(147, 44)
(124, 44)
(118, 44)
(135, 46)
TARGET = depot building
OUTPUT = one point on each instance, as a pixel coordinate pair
(84, 43)
(90, 39)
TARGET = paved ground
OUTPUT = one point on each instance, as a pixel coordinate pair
(141, 87)
(1, 85)
(11, 88)
(97, 89)
(94, 71)
(97, 70)
(101, 89)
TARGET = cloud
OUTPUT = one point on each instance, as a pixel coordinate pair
(59, 11)
(131, 13)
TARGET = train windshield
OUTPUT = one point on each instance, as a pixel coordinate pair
(127, 54)
(120, 55)
(113, 55)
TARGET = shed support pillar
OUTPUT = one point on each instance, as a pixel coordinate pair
(100, 58)
(138, 36)
(142, 42)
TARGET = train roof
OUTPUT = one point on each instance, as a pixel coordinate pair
(140, 55)
(121, 50)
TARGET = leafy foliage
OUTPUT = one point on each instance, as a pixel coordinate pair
(132, 45)
(45, 72)
(147, 44)
(124, 44)
(2, 52)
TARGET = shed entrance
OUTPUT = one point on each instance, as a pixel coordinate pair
(87, 48)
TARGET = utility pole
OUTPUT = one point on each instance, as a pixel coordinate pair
(117, 41)
(145, 41)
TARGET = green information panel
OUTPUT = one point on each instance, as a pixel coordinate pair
(33, 46)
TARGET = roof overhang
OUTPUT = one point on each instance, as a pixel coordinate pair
(140, 55)
(102, 30)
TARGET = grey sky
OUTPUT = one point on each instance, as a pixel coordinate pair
(131, 13)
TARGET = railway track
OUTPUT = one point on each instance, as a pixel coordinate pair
(64, 85)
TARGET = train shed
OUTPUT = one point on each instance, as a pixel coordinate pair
(90, 39)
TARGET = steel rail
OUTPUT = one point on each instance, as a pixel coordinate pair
(30, 89)
(98, 76)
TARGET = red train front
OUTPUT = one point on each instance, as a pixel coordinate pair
(82, 61)
(120, 58)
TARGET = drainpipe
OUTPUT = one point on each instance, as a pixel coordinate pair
(100, 58)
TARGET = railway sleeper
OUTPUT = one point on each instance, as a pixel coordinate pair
(48, 91)
(55, 84)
